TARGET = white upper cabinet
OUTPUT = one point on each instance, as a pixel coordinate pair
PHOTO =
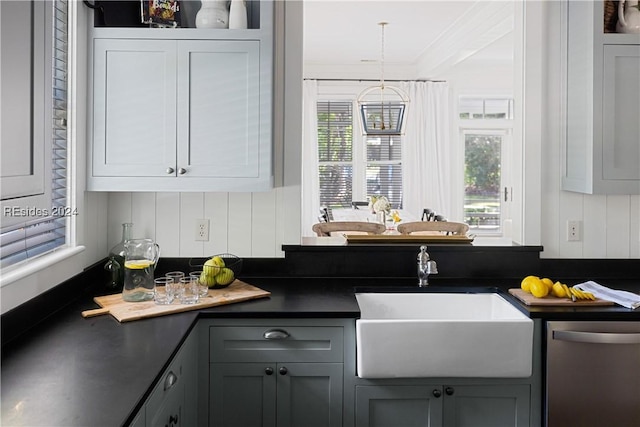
(183, 109)
(602, 150)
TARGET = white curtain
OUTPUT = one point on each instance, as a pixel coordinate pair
(426, 164)
(310, 181)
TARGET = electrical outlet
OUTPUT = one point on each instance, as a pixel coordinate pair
(202, 230)
(574, 231)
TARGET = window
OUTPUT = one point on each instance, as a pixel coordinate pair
(34, 222)
(335, 153)
(486, 138)
(353, 166)
(485, 108)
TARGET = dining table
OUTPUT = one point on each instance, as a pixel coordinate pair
(366, 215)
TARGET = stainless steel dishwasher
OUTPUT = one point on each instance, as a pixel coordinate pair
(593, 374)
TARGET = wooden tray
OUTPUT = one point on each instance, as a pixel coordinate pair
(125, 311)
(406, 238)
(529, 299)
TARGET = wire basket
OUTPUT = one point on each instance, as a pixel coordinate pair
(223, 277)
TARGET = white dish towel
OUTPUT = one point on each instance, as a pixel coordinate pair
(624, 298)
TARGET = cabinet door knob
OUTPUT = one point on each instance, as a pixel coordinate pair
(437, 393)
(268, 371)
(449, 391)
(182, 171)
(170, 380)
(275, 334)
(170, 170)
(283, 371)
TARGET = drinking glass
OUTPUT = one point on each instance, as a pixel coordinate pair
(163, 290)
(189, 290)
(204, 289)
(175, 275)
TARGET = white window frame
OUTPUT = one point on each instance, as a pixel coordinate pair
(22, 281)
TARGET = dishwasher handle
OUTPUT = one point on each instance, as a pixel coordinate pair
(596, 337)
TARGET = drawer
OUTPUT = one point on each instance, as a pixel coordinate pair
(276, 344)
(168, 395)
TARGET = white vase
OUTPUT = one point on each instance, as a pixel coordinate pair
(213, 14)
(628, 17)
(238, 15)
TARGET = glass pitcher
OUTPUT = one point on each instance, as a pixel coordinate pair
(140, 259)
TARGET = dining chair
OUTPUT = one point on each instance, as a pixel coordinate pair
(323, 229)
(433, 227)
(356, 204)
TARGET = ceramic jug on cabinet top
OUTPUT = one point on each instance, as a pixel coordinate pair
(628, 17)
(213, 14)
(140, 259)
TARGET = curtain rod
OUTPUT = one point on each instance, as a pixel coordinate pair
(374, 80)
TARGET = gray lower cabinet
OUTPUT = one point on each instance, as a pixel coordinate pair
(276, 374)
(432, 405)
(173, 401)
(270, 394)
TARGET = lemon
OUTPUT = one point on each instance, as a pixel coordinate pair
(137, 264)
(525, 285)
(548, 282)
(558, 291)
(538, 289)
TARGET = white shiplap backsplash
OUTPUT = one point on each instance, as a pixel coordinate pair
(244, 224)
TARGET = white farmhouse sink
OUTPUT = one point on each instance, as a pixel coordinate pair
(413, 335)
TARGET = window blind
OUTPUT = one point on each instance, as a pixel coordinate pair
(47, 231)
(335, 153)
(384, 168)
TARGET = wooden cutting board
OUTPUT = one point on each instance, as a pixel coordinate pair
(529, 299)
(125, 311)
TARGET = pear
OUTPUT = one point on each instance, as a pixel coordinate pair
(225, 276)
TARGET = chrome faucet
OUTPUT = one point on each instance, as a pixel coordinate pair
(426, 266)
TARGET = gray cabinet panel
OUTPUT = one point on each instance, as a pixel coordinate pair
(486, 405)
(134, 112)
(219, 108)
(310, 395)
(302, 344)
(621, 112)
(393, 406)
(173, 401)
(242, 395)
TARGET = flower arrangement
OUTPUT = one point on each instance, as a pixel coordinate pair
(379, 204)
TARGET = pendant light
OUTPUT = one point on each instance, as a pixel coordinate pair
(382, 107)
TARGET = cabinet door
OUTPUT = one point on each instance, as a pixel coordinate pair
(486, 405)
(621, 113)
(171, 411)
(219, 109)
(392, 406)
(134, 131)
(309, 394)
(242, 394)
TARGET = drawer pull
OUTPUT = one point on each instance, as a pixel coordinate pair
(170, 381)
(276, 334)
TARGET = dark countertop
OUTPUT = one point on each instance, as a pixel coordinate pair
(71, 371)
